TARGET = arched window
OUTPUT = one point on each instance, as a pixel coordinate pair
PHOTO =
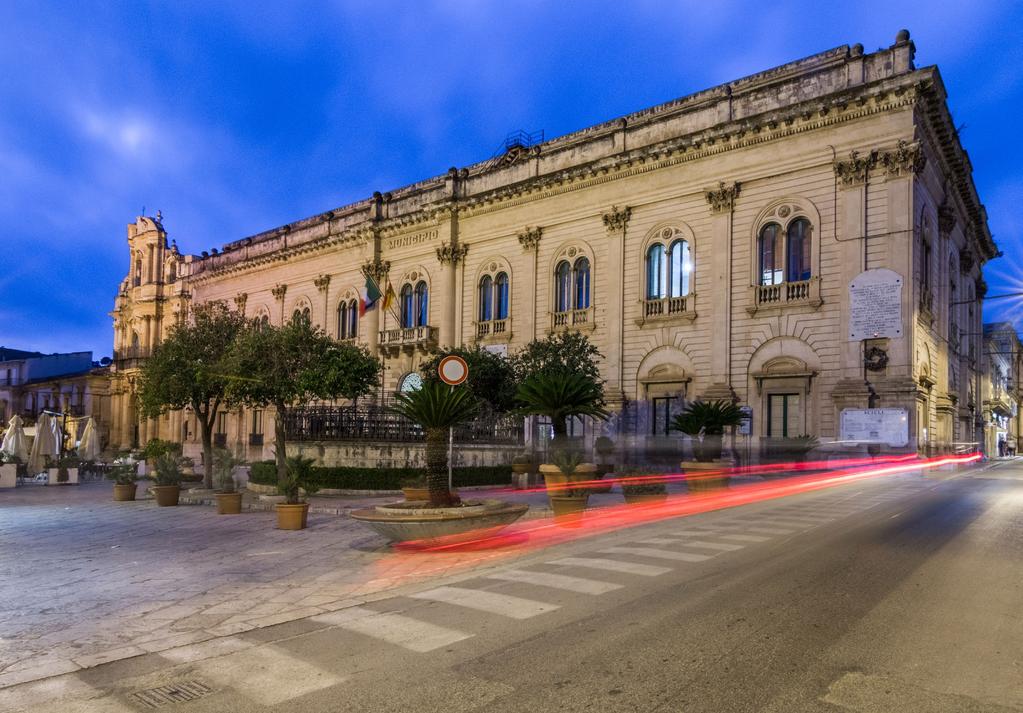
(563, 286)
(172, 273)
(135, 341)
(582, 283)
(407, 312)
(353, 319)
(680, 268)
(342, 320)
(422, 305)
(138, 269)
(768, 257)
(501, 296)
(797, 250)
(486, 299)
(655, 272)
(303, 314)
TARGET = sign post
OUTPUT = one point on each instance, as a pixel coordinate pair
(452, 370)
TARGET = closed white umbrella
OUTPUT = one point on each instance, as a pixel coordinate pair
(45, 444)
(15, 443)
(58, 435)
(88, 447)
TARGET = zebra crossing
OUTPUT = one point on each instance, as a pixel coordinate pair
(606, 570)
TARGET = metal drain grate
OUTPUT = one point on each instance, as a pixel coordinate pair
(174, 693)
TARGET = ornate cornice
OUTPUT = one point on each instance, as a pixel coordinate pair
(529, 238)
(376, 269)
(240, 300)
(449, 253)
(905, 158)
(722, 198)
(322, 282)
(617, 218)
(279, 291)
(857, 169)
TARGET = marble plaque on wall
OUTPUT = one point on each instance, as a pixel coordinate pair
(875, 305)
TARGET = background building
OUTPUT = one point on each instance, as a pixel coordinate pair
(708, 246)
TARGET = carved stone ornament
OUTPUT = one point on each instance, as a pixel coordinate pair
(515, 154)
(322, 282)
(279, 291)
(617, 218)
(857, 169)
(946, 219)
(875, 359)
(529, 238)
(906, 158)
(451, 254)
(722, 198)
(966, 260)
(240, 299)
(376, 269)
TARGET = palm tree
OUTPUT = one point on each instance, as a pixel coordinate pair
(559, 396)
(705, 422)
(437, 408)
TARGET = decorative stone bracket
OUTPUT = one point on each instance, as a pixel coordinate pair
(905, 159)
(279, 291)
(240, 300)
(617, 218)
(529, 238)
(452, 254)
(857, 169)
(722, 198)
(322, 282)
(376, 269)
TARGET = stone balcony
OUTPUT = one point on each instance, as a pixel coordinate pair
(803, 293)
(669, 309)
(408, 338)
(577, 319)
(493, 330)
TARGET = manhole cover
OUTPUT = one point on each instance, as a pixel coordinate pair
(173, 693)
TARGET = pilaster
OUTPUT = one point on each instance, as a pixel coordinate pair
(722, 205)
(529, 239)
(615, 223)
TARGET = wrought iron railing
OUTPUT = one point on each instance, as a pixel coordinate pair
(378, 423)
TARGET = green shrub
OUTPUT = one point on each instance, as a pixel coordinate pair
(348, 478)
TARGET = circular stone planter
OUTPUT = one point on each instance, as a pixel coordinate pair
(166, 495)
(401, 522)
(292, 517)
(125, 493)
(229, 503)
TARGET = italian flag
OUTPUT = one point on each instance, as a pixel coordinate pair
(368, 298)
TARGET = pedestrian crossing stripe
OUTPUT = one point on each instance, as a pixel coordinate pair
(556, 581)
(404, 631)
(492, 602)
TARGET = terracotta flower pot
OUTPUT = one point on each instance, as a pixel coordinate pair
(125, 493)
(522, 467)
(166, 495)
(645, 498)
(706, 477)
(229, 503)
(292, 517)
(568, 506)
(413, 494)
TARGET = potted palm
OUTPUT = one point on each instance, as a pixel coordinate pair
(299, 479)
(705, 423)
(229, 499)
(125, 477)
(167, 476)
(640, 489)
(559, 396)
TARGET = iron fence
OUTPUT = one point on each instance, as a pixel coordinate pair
(378, 423)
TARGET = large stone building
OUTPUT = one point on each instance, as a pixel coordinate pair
(706, 246)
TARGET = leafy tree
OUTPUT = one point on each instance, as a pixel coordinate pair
(294, 364)
(437, 407)
(562, 353)
(189, 369)
(491, 376)
(560, 396)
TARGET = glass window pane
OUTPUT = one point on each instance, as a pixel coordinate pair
(407, 316)
(486, 299)
(422, 305)
(342, 321)
(501, 308)
(563, 284)
(655, 272)
(353, 319)
(798, 248)
(680, 269)
(582, 283)
(768, 258)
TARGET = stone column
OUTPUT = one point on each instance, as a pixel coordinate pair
(529, 239)
(323, 286)
(279, 291)
(449, 254)
(615, 223)
(719, 292)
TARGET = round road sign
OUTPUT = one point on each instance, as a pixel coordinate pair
(453, 370)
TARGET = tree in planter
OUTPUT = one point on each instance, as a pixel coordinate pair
(298, 477)
(189, 369)
(491, 376)
(563, 353)
(705, 422)
(224, 463)
(561, 395)
(437, 407)
(294, 364)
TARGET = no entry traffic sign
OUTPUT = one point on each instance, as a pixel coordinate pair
(453, 370)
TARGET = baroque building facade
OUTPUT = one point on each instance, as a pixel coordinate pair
(706, 246)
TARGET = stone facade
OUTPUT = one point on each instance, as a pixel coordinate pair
(849, 160)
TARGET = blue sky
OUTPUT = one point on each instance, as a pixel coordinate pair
(233, 118)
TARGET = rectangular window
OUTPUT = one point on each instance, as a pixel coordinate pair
(925, 267)
(257, 421)
(660, 420)
(221, 422)
(783, 416)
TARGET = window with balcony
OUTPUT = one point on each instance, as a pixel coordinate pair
(572, 293)
(302, 313)
(669, 273)
(348, 319)
(783, 263)
(493, 299)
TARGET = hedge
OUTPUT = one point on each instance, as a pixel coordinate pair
(348, 478)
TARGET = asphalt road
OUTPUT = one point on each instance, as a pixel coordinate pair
(903, 594)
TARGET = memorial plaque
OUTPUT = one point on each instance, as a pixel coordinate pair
(875, 425)
(875, 305)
